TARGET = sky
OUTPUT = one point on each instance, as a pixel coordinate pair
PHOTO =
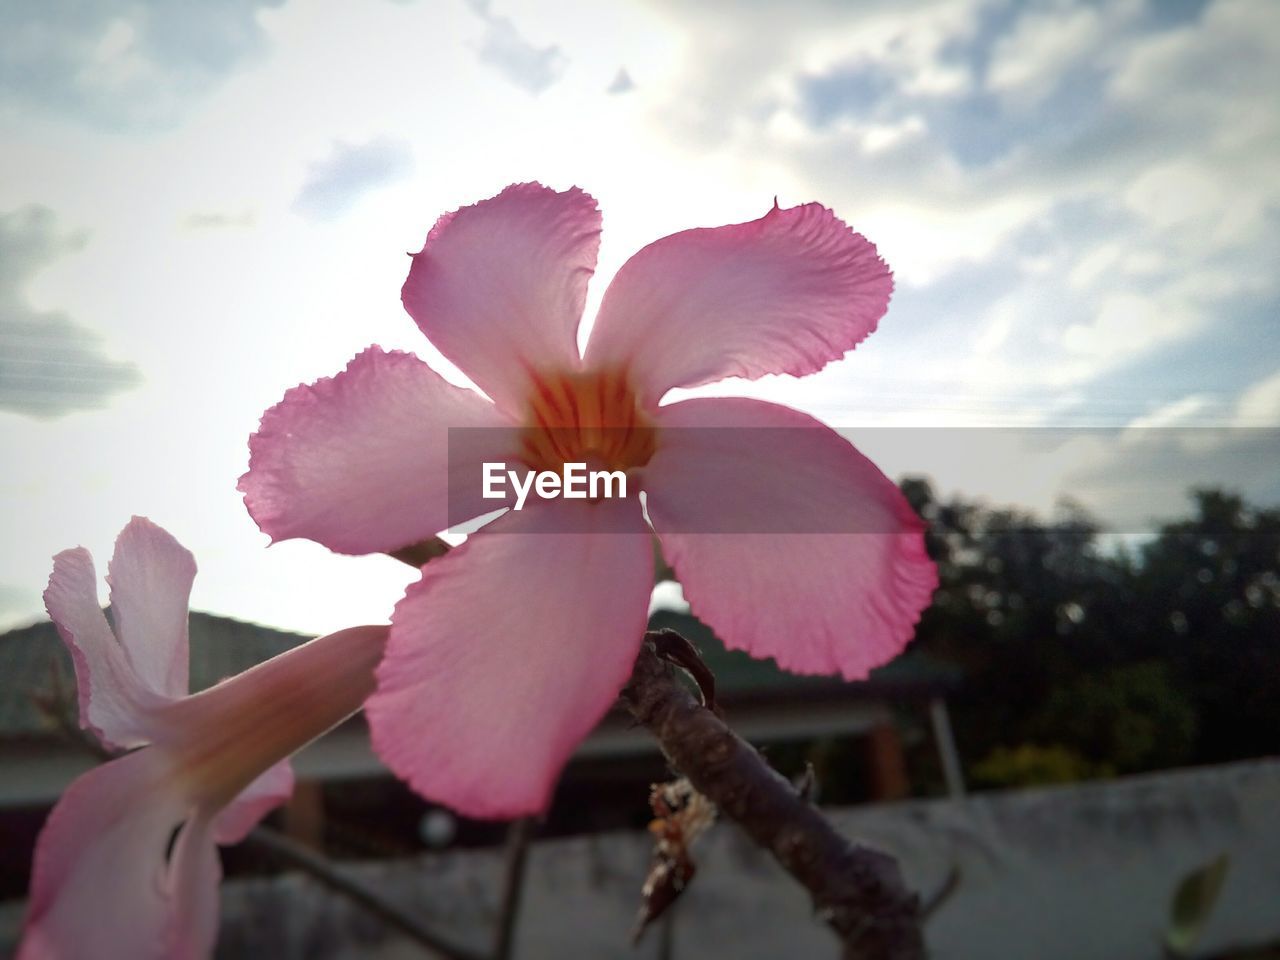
(202, 205)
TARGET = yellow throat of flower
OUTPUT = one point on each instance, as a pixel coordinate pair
(590, 417)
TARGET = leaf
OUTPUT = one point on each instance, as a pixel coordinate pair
(1193, 903)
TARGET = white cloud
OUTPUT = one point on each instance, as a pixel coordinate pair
(529, 66)
(1186, 411)
(49, 364)
(1259, 406)
(1128, 323)
(1212, 83)
(122, 64)
(1029, 62)
(1205, 65)
(1173, 193)
(621, 82)
(1150, 242)
(350, 170)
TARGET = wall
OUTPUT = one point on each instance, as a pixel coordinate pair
(1077, 872)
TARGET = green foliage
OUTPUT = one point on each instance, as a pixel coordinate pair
(1135, 715)
(1030, 765)
(1212, 583)
(1123, 660)
(1193, 903)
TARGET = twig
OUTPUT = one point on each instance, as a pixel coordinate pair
(940, 896)
(297, 855)
(858, 891)
(519, 837)
(673, 648)
(420, 554)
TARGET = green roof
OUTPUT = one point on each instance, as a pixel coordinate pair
(740, 676)
(34, 661)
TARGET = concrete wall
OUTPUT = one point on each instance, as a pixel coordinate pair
(1078, 873)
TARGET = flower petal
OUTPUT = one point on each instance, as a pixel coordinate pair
(788, 542)
(508, 651)
(255, 801)
(362, 462)
(499, 286)
(224, 738)
(99, 886)
(194, 873)
(114, 703)
(150, 576)
(787, 293)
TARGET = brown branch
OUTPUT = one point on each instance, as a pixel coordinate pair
(858, 891)
(519, 836)
(420, 554)
(935, 900)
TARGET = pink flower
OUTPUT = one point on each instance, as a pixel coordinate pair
(510, 649)
(106, 883)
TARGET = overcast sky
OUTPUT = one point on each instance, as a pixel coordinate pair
(203, 204)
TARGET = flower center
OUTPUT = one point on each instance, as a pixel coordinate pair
(590, 418)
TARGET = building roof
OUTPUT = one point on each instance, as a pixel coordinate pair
(34, 663)
(743, 678)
